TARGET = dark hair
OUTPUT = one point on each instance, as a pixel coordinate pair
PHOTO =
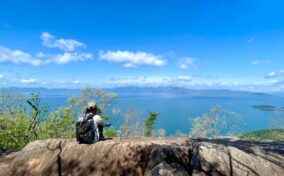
(92, 110)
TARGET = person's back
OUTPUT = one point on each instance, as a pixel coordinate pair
(97, 119)
(85, 129)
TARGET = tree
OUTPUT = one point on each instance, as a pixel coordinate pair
(79, 103)
(217, 122)
(58, 124)
(18, 122)
(11, 102)
(150, 122)
(131, 125)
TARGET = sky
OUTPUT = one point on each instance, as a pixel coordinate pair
(198, 44)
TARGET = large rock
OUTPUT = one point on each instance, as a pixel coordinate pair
(146, 156)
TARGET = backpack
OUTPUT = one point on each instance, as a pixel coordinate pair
(85, 130)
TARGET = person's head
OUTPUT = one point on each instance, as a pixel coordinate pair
(92, 108)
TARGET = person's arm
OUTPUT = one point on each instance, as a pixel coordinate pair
(97, 118)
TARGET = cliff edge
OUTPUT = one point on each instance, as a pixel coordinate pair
(146, 156)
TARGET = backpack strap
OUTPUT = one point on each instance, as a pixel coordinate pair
(89, 116)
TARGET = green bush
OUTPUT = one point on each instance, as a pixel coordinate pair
(14, 131)
(216, 122)
(79, 103)
(58, 124)
(110, 133)
(150, 122)
(22, 122)
(264, 135)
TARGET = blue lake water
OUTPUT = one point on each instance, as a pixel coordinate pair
(176, 110)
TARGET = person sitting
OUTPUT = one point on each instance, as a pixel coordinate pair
(92, 109)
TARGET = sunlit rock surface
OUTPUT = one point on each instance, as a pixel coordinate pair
(146, 156)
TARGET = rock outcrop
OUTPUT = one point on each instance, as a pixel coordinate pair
(146, 156)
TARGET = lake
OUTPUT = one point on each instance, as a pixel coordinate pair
(176, 110)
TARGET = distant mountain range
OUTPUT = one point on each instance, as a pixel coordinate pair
(186, 91)
(45, 92)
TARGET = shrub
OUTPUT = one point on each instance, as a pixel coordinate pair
(58, 124)
(150, 122)
(79, 103)
(264, 135)
(14, 131)
(22, 122)
(132, 125)
(10, 102)
(216, 122)
(110, 133)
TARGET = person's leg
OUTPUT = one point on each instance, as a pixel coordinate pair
(101, 132)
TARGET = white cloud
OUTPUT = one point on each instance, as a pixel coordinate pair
(129, 65)
(76, 82)
(184, 63)
(17, 57)
(191, 83)
(145, 81)
(69, 45)
(271, 75)
(28, 81)
(40, 55)
(275, 74)
(274, 81)
(1, 76)
(132, 59)
(257, 62)
(69, 57)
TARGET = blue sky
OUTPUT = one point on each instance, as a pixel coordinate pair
(197, 44)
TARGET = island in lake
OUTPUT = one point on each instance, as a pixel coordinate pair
(265, 107)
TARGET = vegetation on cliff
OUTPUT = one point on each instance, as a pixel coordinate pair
(264, 135)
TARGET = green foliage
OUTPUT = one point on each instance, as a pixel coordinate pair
(264, 135)
(149, 123)
(58, 124)
(10, 102)
(110, 133)
(79, 103)
(22, 122)
(14, 133)
(218, 121)
(37, 113)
